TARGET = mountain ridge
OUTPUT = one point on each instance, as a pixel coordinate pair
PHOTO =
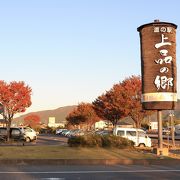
(59, 114)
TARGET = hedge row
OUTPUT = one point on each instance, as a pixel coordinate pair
(100, 141)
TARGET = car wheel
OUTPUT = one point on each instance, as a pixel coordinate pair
(28, 139)
(141, 145)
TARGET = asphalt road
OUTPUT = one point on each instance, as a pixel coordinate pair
(89, 172)
(49, 139)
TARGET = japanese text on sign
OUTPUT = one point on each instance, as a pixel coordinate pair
(162, 81)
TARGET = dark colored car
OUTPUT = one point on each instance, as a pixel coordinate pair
(15, 134)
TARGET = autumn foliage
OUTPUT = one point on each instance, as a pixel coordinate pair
(124, 99)
(32, 120)
(15, 98)
(109, 106)
(132, 88)
(83, 115)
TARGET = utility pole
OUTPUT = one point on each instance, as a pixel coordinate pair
(172, 128)
(160, 138)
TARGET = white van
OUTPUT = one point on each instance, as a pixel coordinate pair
(138, 136)
(30, 134)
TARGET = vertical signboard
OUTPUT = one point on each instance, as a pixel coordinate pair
(158, 65)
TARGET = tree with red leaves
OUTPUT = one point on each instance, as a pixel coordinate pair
(15, 97)
(132, 88)
(32, 120)
(124, 99)
(83, 114)
(111, 105)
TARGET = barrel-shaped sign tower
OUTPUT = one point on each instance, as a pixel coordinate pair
(158, 65)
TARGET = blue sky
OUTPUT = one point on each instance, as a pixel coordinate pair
(72, 51)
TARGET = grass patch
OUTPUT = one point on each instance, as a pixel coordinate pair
(60, 152)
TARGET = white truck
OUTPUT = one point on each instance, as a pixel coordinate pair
(138, 136)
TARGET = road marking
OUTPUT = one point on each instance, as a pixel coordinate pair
(53, 178)
(88, 172)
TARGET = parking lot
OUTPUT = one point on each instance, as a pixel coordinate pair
(52, 139)
(49, 139)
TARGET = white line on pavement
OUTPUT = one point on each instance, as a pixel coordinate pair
(88, 172)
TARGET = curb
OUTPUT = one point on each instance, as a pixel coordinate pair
(89, 162)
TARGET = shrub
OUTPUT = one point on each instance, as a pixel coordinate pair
(100, 141)
(93, 141)
(85, 141)
(76, 141)
(116, 141)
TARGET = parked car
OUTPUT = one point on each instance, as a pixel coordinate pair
(76, 132)
(70, 132)
(59, 131)
(63, 133)
(15, 134)
(30, 134)
(138, 136)
(166, 131)
(177, 129)
(103, 132)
